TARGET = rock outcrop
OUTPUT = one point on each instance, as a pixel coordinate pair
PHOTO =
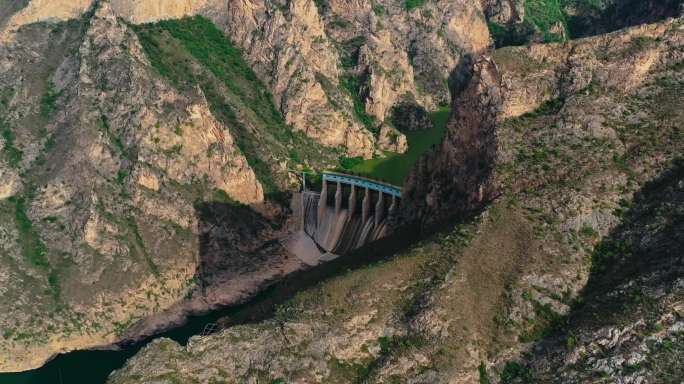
(522, 80)
(104, 164)
(456, 178)
(517, 22)
(336, 68)
(479, 300)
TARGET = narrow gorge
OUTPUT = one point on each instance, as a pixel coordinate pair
(341, 191)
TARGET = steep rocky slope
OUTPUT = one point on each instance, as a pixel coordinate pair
(516, 22)
(103, 165)
(631, 324)
(144, 155)
(335, 68)
(483, 299)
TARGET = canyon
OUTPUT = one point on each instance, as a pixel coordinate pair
(151, 152)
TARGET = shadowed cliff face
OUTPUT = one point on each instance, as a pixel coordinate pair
(619, 14)
(234, 240)
(602, 117)
(517, 22)
(456, 177)
(629, 323)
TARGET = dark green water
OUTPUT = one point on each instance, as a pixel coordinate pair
(93, 367)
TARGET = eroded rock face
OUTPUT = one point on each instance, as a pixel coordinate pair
(540, 73)
(455, 178)
(504, 11)
(105, 162)
(533, 77)
(474, 302)
(145, 11)
(307, 54)
(390, 139)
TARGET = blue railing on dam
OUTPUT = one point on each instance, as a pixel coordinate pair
(362, 182)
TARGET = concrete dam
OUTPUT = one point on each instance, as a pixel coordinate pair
(347, 213)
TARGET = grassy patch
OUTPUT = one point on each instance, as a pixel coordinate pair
(484, 376)
(394, 167)
(48, 103)
(540, 15)
(10, 152)
(192, 51)
(352, 84)
(32, 247)
(545, 14)
(411, 4)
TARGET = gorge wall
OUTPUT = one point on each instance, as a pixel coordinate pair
(514, 82)
(589, 217)
(122, 126)
(335, 70)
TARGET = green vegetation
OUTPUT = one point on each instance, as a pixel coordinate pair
(514, 34)
(411, 4)
(138, 245)
(515, 373)
(540, 15)
(32, 246)
(352, 85)
(221, 196)
(349, 163)
(10, 152)
(378, 8)
(192, 51)
(545, 323)
(545, 14)
(322, 5)
(394, 167)
(350, 54)
(484, 377)
(48, 103)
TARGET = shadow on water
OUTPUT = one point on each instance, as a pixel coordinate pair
(94, 366)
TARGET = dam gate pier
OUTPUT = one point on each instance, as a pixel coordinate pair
(349, 212)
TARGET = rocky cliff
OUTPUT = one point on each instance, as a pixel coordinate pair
(518, 81)
(585, 214)
(516, 22)
(333, 64)
(103, 163)
(335, 68)
(145, 146)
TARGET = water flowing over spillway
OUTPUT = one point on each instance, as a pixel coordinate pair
(348, 223)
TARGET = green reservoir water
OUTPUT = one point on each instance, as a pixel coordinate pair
(394, 167)
(93, 367)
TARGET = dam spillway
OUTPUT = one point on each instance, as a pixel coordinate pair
(360, 211)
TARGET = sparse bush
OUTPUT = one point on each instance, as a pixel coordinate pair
(348, 163)
(411, 4)
(515, 373)
(11, 153)
(48, 103)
